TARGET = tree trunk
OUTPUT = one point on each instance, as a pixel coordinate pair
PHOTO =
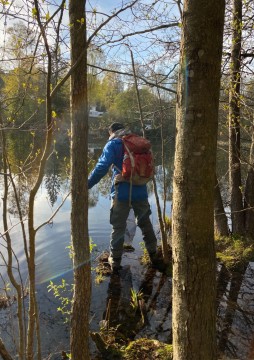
(220, 218)
(194, 286)
(235, 183)
(79, 191)
(249, 194)
(249, 204)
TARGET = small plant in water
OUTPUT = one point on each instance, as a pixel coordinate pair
(136, 296)
(64, 291)
(145, 259)
(61, 292)
(92, 245)
(99, 278)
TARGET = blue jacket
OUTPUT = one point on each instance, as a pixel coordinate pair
(113, 155)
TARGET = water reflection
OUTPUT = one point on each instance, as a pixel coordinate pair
(235, 291)
(151, 317)
(236, 313)
(235, 306)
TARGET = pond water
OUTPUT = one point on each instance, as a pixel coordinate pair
(53, 262)
(235, 291)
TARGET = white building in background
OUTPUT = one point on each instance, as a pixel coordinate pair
(93, 113)
(95, 127)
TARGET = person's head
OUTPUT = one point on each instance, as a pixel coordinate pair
(114, 127)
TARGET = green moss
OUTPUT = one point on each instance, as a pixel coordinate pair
(146, 349)
(234, 250)
(166, 352)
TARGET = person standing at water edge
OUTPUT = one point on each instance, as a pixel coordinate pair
(112, 154)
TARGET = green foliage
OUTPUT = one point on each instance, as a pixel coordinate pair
(61, 292)
(99, 278)
(145, 259)
(234, 250)
(64, 291)
(92, 245)
(136, 296)
(110, 86)
(125, 106)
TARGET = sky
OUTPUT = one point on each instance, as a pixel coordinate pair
(146, 48)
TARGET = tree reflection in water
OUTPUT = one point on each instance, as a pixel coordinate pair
(235, 290)
(236, 311)
(235, 306)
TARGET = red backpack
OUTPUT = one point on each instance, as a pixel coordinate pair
(138, 164)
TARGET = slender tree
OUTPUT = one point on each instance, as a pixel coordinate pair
(79, 191)
(220, 218)
(235, 181)
(193, 185)
(249, 193)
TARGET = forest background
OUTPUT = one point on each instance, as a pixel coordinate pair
(136, 63)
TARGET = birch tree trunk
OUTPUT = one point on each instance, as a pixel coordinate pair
(194, 284)
(79, 191)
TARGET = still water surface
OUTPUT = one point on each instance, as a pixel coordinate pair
(235, 297)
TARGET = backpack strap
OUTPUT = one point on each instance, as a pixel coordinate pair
(132, 168)
(118, 177)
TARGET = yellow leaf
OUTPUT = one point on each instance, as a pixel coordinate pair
(40, 101)
(53, 114)
(34, 12)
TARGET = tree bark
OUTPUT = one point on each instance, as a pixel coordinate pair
(235, 182)
(220, 218)
(249, 204)
(249, 193)
(194, 285)
(79, 191)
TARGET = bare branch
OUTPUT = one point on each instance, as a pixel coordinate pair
(53, 215)
(149, 30)
(3, 352)
(89, 40)
(147, 82)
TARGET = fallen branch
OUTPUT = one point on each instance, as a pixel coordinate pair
(3, 352)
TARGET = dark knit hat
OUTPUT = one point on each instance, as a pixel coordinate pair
(115, 126)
